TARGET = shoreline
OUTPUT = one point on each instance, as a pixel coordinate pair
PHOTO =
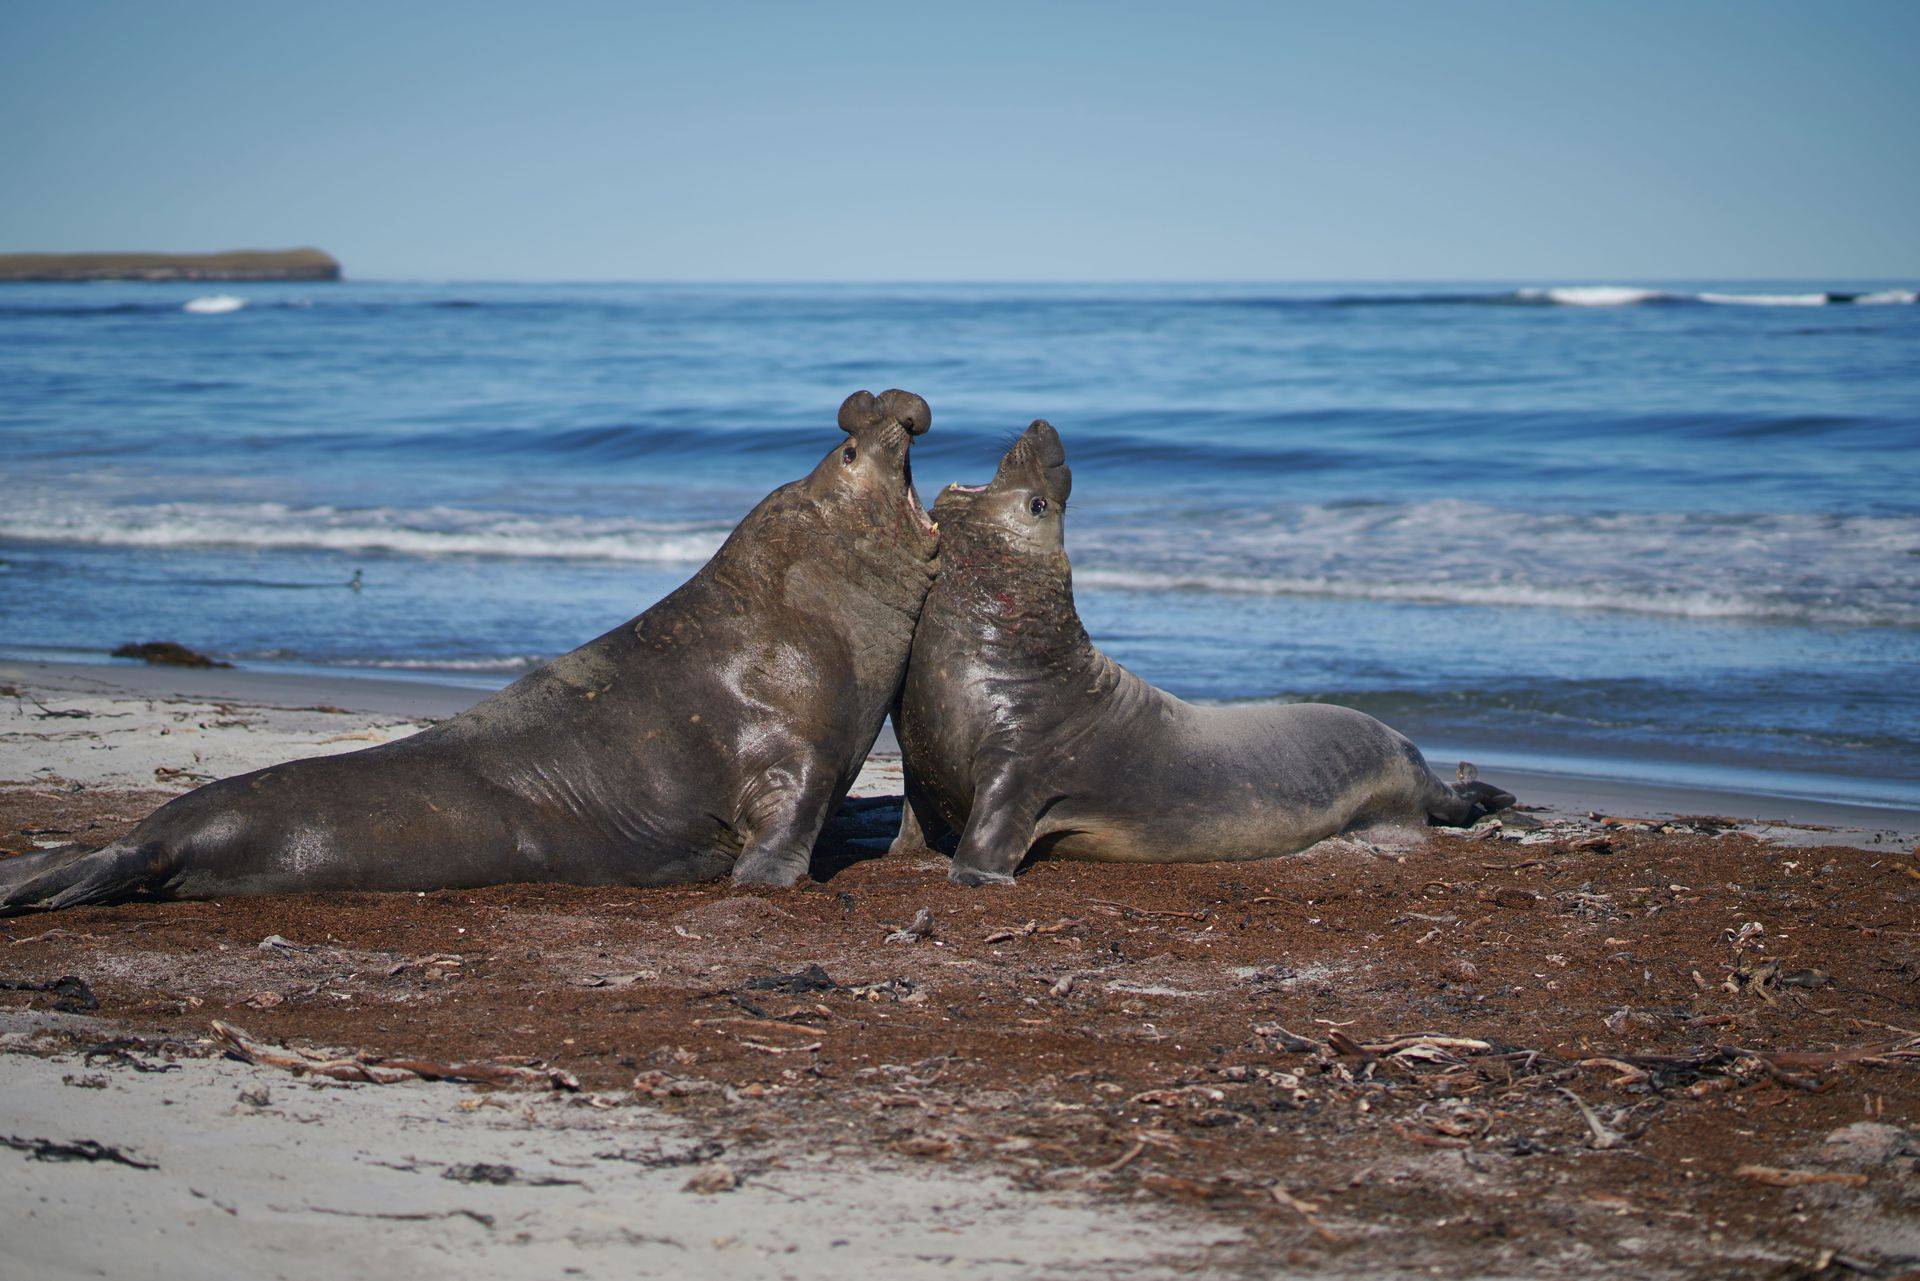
(409, 698)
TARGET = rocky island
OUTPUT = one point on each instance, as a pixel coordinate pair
(242, 264)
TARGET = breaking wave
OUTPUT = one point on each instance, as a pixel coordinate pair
(1804, 567)
(432, 531)
(1569, 295)
(214, 305)
(1800, 567)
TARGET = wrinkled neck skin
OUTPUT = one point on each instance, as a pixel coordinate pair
(1011, 610)
(859, 565)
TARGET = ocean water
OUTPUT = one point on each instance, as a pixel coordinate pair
(1662, 531)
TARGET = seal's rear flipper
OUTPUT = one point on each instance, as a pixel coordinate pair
(1486, 798)
(1466, 801)
(73, 875)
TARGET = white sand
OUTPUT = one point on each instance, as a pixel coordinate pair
(328, 1181)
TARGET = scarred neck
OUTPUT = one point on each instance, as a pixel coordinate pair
(1009, 598)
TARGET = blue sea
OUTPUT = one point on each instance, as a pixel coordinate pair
(1665, 531)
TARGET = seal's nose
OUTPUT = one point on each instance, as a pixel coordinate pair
(907, 409)
(1042, 444)
(863, 411)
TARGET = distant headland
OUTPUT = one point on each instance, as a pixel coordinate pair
(240, 264)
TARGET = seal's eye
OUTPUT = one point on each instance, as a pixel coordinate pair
(1038, 506)
(847, 455)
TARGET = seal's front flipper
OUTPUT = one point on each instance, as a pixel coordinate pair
(781, 859)
(73, 875)
(780, 850)
(998, 837)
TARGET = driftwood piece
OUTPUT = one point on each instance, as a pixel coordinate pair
(375, 1070)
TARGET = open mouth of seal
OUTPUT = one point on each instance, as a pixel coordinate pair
(913, 499)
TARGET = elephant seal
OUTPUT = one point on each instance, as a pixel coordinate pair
(1020, 737)
(717, 731)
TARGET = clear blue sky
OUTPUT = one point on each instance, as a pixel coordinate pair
(1193, 140)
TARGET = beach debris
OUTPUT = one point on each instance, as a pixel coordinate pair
(1308, 1211)
(256, 1096)
(1603, 1138)
(1128, 909)
(379, 1070)
(716, 1176)
(71, 993)
(1869, 1143)
(656, 1084)
(89, 1081)
(920, 927)
(1775, 1177)
(76, 1150)
(701, 1153)
(436, 965)
(121, 1052)
(810, 979)
(167, 653)
(931, 1146)
(1030, 929)
(501, 1176)
(57, 713)
(617, 980)
(1763, 977)
(1185, 1189)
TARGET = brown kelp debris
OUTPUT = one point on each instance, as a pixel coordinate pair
(812, 978)
(75, 1150)
(70, 992)
(167, 653)
(501, 1176)
(1376, 1040)
(717, 1176)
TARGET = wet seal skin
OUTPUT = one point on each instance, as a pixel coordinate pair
(1021, 738)
(713, 734)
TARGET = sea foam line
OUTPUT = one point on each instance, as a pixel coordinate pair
(432, 532)
(1673, 603)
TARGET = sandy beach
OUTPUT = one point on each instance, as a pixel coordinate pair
(1673, 1034)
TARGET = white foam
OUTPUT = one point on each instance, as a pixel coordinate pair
(215, 305)
(1787, 566)
(1593, 295)
(1765, 300)
(434, 531)
(1634, 295)
(1681, 604)
(524, 663)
